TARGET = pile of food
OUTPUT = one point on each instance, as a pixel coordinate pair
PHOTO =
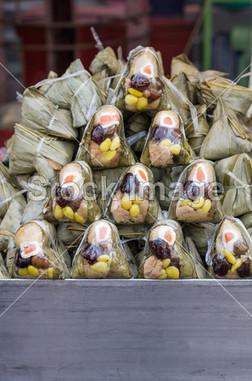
(120, 172)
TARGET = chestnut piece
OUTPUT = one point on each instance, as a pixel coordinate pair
(240, 247)
(40, 261)
(155, 94)
(75, 204)
(146, 93)
(110, 132)
(146, 193)
(106, 247)
(175, 262)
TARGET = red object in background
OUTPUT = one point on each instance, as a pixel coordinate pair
(169, 35)
(5, 135)
(33, 62)
(118, 23)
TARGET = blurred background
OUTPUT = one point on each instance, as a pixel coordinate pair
(37, 36)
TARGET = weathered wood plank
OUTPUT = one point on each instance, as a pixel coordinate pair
(135, 330)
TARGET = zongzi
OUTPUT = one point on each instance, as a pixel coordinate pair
(37, 253)
(104, 143)
(165, 256)
(166, 144)
(74, 198)
(133, 200)
(196, 199)
(230, 254)
(100, 254)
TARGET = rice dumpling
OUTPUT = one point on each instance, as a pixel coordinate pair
(11, 221)
(75, 91)
(195, 199)
(41, 115)
(133, 200)
(231, 251)
(226, 137)
(33, 151)
(7, 189)
(73, 199)
(235, 174)
(104, 143)
(100, 254)
(37, 253)
(164, 255)
(166, 144)
(141, 86)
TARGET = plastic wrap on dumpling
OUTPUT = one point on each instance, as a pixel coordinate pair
(101, 254)
(38, 254)
(104, 144)
(195, 198)
(133, 200)
(230, 250)
(165, 255)
(141, 86)
(74, 199)
(166, 144)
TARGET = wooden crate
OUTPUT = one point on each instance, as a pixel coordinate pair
(127, 330)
